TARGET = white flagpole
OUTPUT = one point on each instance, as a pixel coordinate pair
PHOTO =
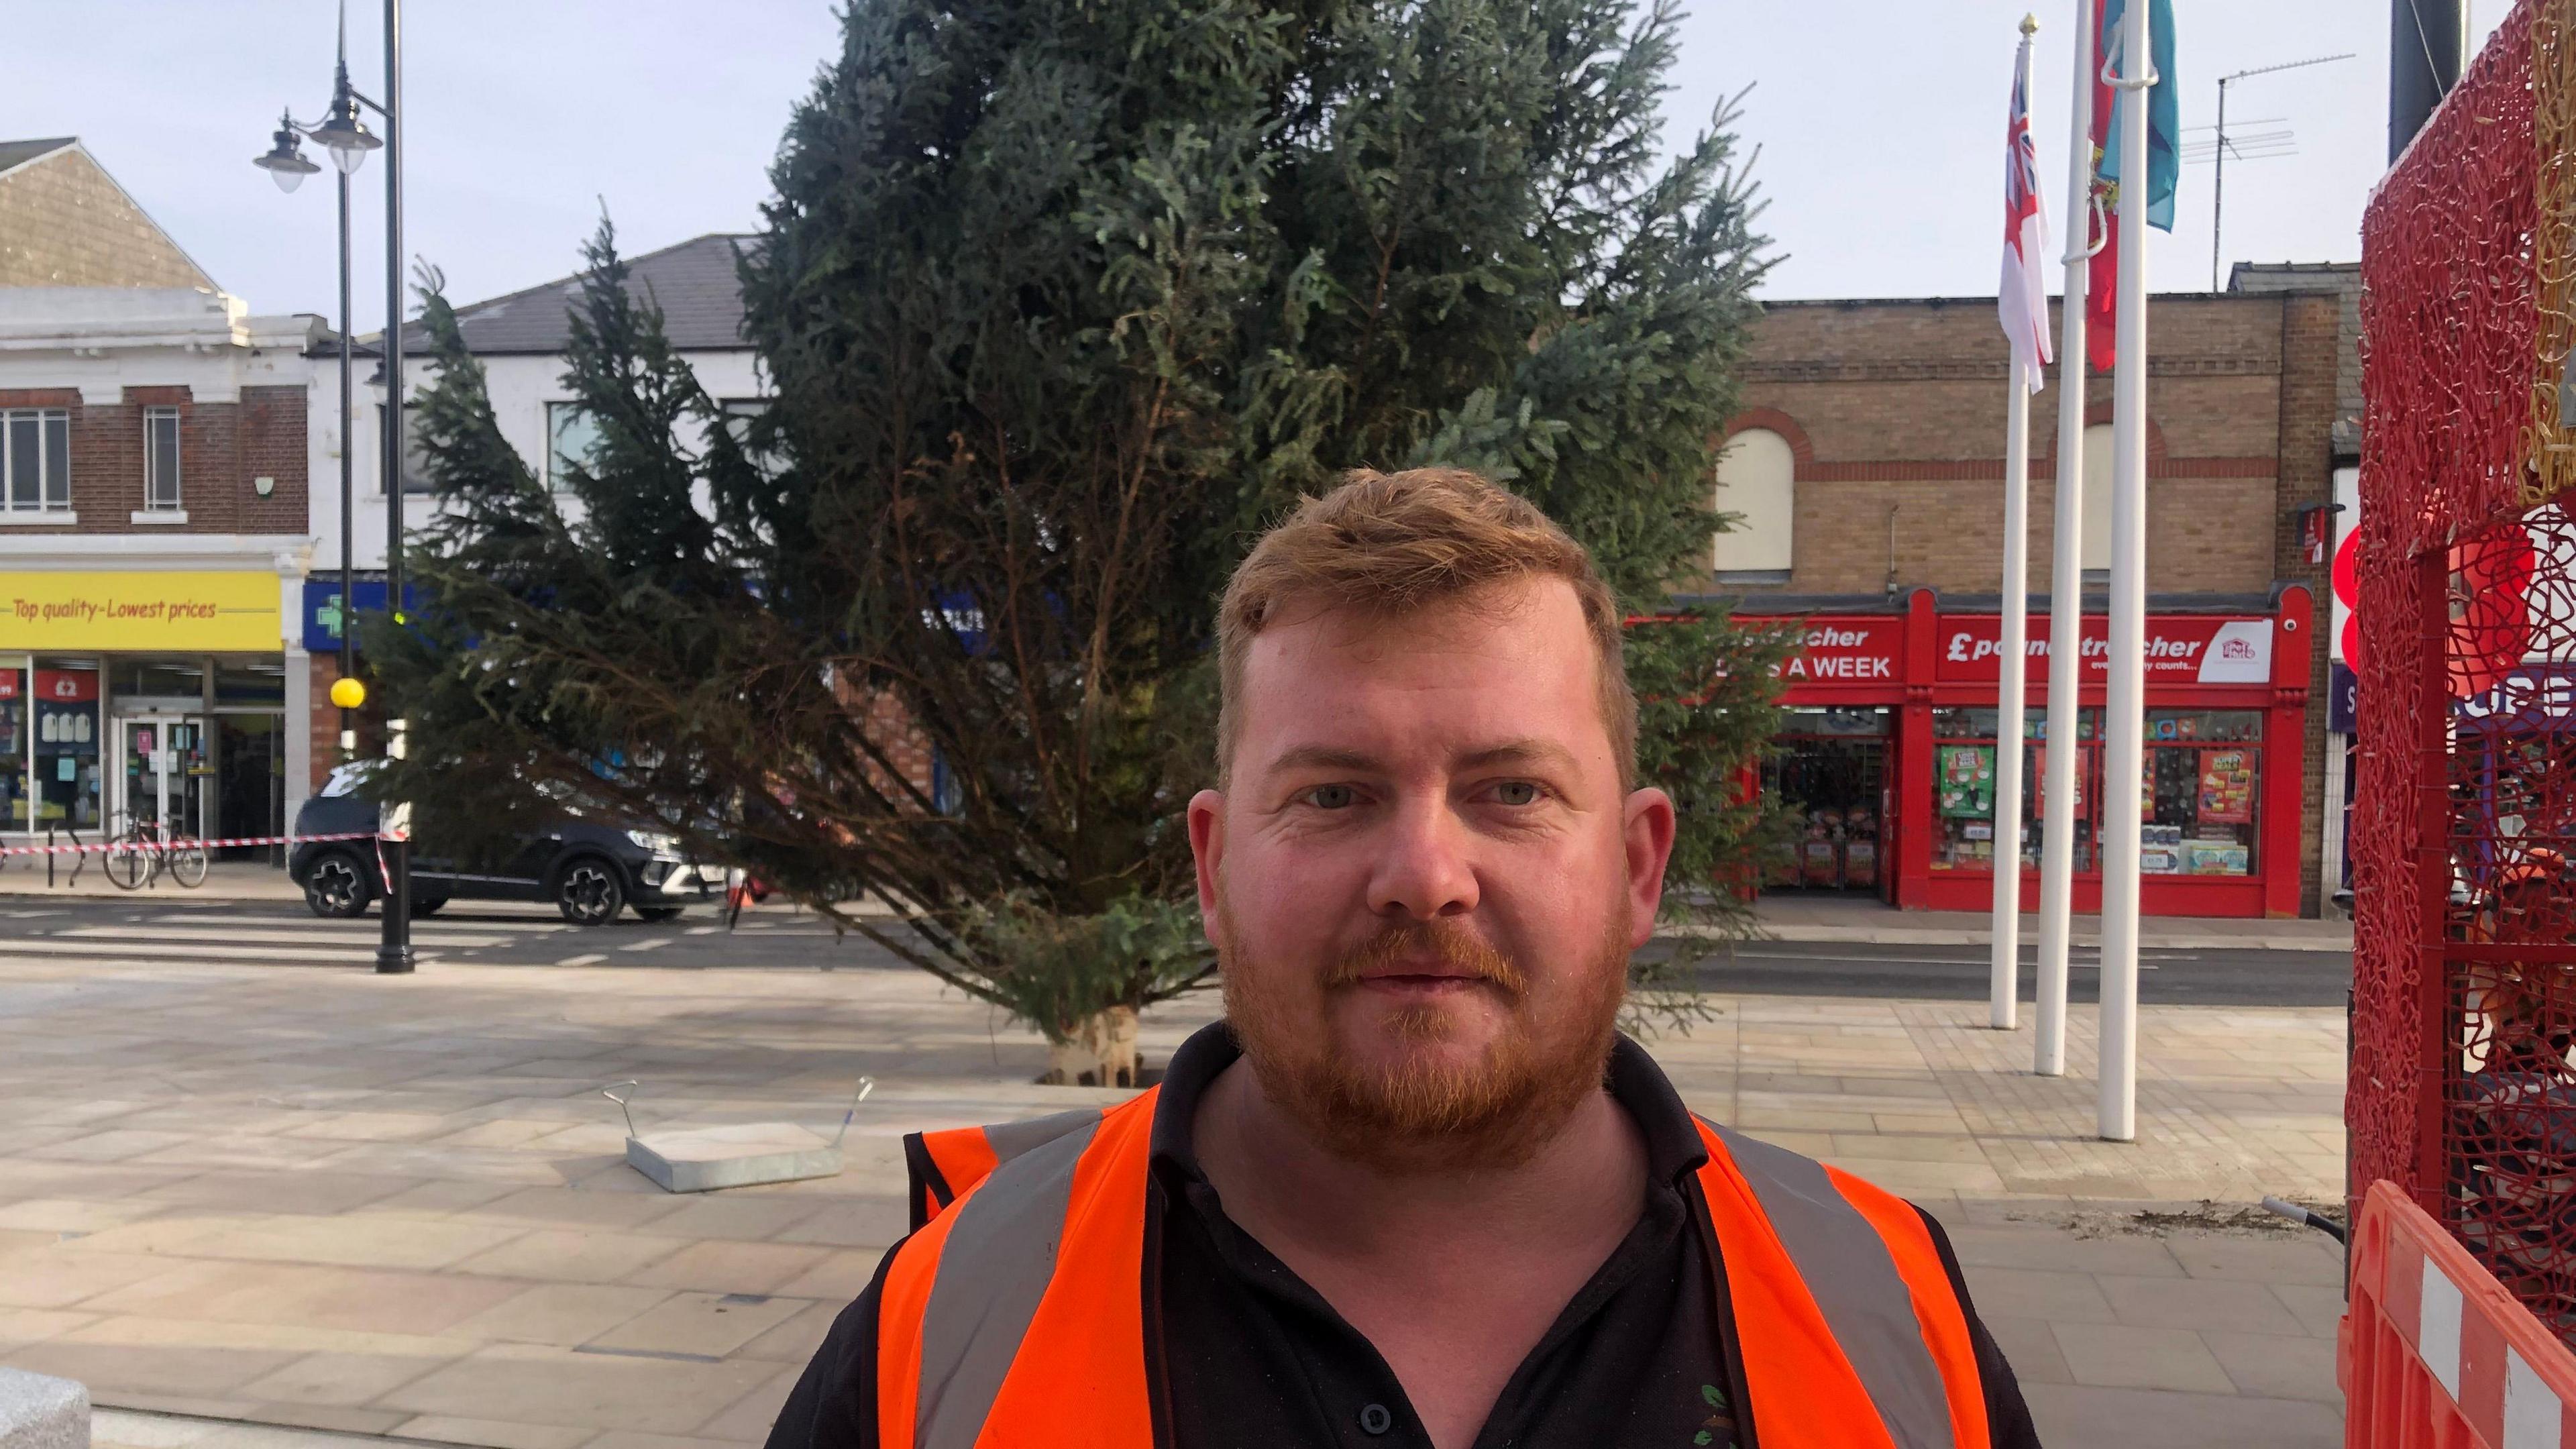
(2123, 706)
(2005, 1008)
(2066, 582)
(2004, 1004)
(2004, 1012)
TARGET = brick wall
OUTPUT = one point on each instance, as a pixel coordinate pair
(1895, 412)
(324, 726)
(65, 223)
(223, 448)
(1901, 406)
(2311, 331)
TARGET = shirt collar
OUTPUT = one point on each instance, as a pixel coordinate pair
(1673, 1145)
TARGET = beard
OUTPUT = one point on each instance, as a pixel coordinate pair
(1426, 1111)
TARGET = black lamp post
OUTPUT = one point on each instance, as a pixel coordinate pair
(344, 133)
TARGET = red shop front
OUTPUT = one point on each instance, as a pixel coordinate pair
(1887, 759)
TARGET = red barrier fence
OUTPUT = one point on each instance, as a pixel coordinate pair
(2435, 1353)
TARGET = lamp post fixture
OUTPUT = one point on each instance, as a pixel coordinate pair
(343, 132)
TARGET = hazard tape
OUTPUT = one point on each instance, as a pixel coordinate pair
(178, 841)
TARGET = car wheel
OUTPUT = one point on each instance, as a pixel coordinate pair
(658, 913)
(589, 892)
(337, 887)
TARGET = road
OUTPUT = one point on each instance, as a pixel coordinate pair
(1959, 973)
(166, 925)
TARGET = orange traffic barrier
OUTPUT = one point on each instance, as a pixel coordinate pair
(2433, 1352)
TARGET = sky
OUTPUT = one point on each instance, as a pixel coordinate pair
(1879, 127)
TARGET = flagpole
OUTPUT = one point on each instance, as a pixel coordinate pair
(2003, 1012)
(2066, 583)
(2004, 1004)
(2124, 713)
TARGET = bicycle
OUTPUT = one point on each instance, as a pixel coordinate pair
(145, 849)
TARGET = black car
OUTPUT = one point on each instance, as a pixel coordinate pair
(589, 870)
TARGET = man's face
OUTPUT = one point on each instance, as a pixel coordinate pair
(1424, 878)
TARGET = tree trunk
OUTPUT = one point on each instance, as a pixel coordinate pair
(1101, 1054)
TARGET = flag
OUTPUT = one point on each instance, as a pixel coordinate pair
(2022, 303)
(2101, 236)
(2164, 110)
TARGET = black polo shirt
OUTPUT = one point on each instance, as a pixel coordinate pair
(1242, 1354)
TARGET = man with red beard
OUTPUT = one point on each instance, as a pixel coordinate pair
(1415, 1189)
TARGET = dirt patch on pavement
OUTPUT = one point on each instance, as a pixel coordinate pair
(2232, 1219)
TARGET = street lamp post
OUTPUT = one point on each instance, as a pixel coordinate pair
(393, 950)
(343, 132)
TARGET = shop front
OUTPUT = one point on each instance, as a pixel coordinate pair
(1887, 760)
(143, 696)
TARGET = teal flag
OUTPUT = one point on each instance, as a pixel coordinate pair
(2164, 109)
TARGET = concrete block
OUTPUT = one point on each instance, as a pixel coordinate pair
(41, 1412)
(702, 1159)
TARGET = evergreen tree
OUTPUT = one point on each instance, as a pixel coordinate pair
(1062, 301)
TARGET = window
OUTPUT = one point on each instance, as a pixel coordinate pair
(36, 462)
(2096, 543)
(572, 438)
(740, 414)
(415, 461)
(161, 460)
(1965, 834)
(1756, 479)
(2200, 797)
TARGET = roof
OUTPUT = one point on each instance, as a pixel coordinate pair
(14, 154)
(694, 283)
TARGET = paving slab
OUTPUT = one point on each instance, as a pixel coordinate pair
(397, 1206)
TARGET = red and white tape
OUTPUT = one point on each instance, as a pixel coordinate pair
(175, 841)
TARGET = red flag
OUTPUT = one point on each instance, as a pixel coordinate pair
(2102, 277)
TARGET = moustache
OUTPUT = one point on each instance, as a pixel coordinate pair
(1455, 949)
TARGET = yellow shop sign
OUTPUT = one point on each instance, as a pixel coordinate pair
(179, 612)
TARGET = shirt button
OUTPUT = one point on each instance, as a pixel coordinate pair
(1375, 1420)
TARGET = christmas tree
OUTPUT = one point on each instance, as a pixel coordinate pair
(1061, 304)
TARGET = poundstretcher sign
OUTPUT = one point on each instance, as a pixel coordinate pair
(183, 611)
(2181, 649)
(1863, 649)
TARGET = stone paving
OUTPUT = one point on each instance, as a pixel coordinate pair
(369, 1205)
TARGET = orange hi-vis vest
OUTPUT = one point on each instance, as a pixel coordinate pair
(1014, 1314)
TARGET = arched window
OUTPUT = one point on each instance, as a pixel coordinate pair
(1757, 478)
(2096, 552)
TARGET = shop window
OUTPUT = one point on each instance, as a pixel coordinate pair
(1829, 775)
(572, 441)
(161, 460)
(1964, 742)
(66, 734)
(2096, 539)
(35, 461)
(1757, 479)
(16, 807)
(158, 683)
(2201, 792)
(250, 684)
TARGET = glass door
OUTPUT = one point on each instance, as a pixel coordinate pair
(162, 773)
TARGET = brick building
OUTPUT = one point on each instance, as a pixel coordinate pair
(154, 526)
(1867, 467)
